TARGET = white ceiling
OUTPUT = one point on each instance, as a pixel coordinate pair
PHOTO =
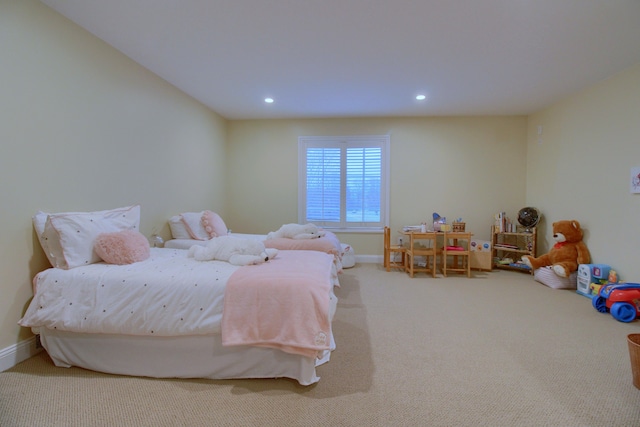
(364, 58)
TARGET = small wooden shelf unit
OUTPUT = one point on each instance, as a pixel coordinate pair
(513, 245)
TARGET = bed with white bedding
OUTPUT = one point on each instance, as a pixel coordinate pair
(163, 317)
(196, 228)
(171, 316)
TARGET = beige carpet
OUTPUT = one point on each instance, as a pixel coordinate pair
(498, 349)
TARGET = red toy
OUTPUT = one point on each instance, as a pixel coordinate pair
(622, 300)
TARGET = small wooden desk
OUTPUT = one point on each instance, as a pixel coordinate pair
(431, 250)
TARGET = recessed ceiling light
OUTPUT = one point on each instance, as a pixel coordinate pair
(268, 100)
(421, 97)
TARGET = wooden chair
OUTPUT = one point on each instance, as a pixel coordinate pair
(391, 251)
(422, 245)
(457, 246)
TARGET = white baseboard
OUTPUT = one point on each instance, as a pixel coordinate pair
(369, 259)
(11, 356)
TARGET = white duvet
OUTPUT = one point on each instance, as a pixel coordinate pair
(169, 294)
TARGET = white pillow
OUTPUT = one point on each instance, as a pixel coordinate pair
(52, 250)
(194, 226)
(39, 220)
(70, 236)
(178, 229)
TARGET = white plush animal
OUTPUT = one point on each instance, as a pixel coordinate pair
(297, 231)
(235, 250)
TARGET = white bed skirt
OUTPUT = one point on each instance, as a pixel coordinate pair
(195, 356)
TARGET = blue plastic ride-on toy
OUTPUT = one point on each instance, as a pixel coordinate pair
(622, 300)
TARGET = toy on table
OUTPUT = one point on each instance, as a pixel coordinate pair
(622, 300)
(439, 222)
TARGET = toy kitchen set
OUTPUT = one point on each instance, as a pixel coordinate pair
(591, 277)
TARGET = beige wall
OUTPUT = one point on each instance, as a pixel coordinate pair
(84, 128)
(469, 167)
(579, 168)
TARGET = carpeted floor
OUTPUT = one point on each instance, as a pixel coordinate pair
(498, 349)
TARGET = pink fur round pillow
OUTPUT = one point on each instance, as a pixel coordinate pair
(122, 247)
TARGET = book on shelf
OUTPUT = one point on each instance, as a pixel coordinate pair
(505, 246)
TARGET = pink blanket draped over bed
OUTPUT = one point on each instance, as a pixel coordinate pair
(283, 304)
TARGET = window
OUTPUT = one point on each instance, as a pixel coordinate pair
(343, 181)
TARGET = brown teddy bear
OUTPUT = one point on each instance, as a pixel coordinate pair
(567, 253)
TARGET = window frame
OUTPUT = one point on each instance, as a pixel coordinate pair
(381, 141)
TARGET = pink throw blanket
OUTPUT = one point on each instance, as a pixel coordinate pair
(283, 303)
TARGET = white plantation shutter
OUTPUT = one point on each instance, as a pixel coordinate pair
(323, 185)
(343, 181)
(364, 171)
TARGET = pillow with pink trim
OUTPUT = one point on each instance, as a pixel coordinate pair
(122, 247)
(193, 223)
(178, 228)
(214, 225)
